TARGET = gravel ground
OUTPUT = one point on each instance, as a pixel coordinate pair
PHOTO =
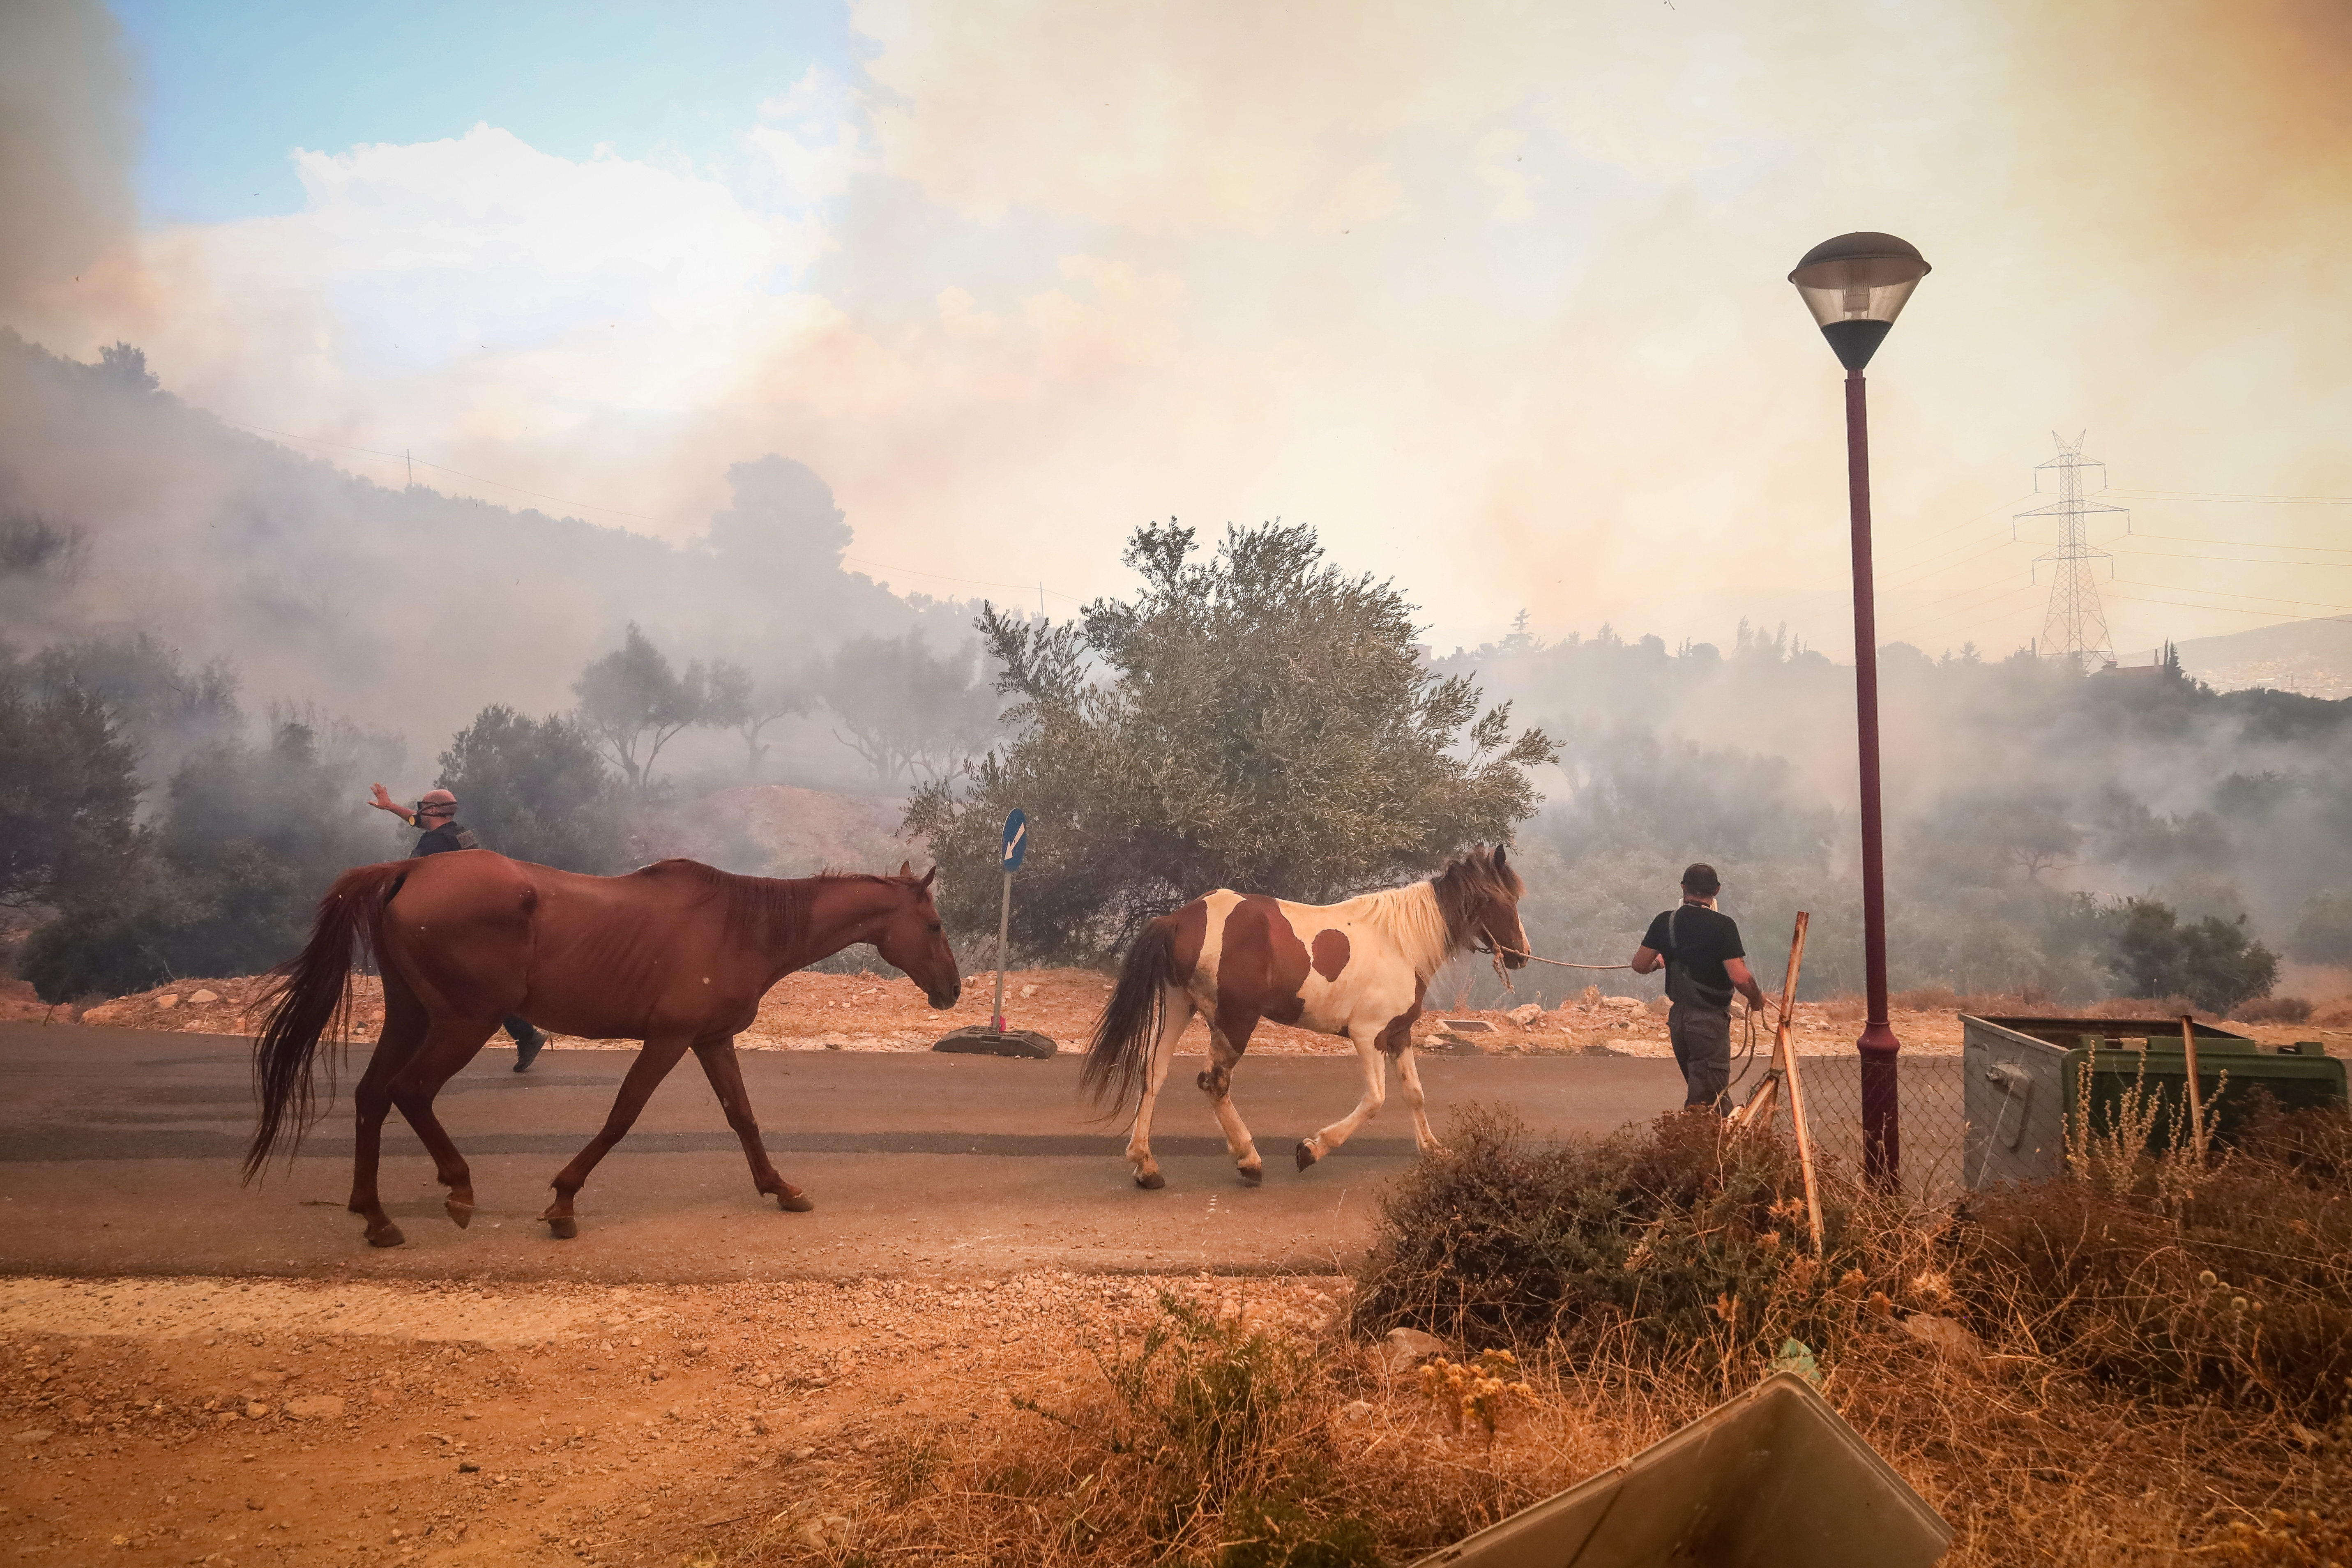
(228, 1421)
(867, 1012)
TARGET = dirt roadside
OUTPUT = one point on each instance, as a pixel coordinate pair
(220, 1421)
(808, 1012)
(872, 1013)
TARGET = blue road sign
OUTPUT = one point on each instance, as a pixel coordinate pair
(1017, 840)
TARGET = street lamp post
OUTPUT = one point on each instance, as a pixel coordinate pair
(1855, 285)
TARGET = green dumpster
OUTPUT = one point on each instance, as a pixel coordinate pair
(2025, 1078)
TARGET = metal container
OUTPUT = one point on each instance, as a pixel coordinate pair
(1771, 1479)
(2025, 1076)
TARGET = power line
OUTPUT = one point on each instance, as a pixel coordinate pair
(1924, 573)
(2242, 559)
(2229, 609)
(415, 462)
(2219, 497)
(443, 467)
(2224, 593)
(2244, 544)
(1900, 546)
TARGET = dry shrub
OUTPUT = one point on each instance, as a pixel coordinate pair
(2169, 1275)
(1203, 1437)
(1673, 1237)
(2274, 1010)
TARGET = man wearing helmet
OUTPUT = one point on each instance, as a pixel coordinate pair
(436, 812)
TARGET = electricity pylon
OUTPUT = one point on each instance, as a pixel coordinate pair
(2075, 628)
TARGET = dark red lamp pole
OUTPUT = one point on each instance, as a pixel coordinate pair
(1855, 285)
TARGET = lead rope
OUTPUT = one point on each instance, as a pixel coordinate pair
(1498, 950)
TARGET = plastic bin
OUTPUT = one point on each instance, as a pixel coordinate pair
(1772, 1478)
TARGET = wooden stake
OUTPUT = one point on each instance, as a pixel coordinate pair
(2196, 1104)
(1785, 1050)
(1759, 1109)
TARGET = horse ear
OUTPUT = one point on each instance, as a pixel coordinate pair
(1499, 850)
(906, 867)
(927, 876)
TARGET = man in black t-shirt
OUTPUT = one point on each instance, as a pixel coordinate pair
(1705, 966)
(436, 813)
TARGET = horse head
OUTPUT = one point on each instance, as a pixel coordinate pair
(1479, 893)
(913, 939)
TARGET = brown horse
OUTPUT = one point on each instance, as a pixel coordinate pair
(1358, 969)
(677, 954)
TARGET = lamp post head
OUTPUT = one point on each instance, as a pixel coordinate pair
(1855, 285)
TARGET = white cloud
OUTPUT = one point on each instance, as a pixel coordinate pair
(808, 140)
(1554, 363)
(1129, 324)
(961, 316)
(1366, 195)
(1499, 160)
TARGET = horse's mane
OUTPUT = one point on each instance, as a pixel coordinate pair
(767, 912)
(1430, 921)
(1465, 885)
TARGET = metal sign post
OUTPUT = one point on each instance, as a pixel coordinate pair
(1016, 844)
(993, 1039)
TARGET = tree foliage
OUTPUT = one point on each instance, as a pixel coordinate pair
(907, 709)
(2323, 932)
(2212, 962)
(536, 790)
(631, 702)
(68, 795)
(734, 698)
(225, 885)
(164, 707)
(1257, 719)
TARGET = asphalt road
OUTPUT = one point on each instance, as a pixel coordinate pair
(119, 1153)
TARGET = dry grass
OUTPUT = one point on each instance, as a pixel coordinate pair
(1639, 1281)
(1342, 1458)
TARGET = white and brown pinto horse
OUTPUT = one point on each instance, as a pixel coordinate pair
(1358, 969)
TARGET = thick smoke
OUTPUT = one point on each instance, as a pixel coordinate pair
(406, 609)
(2023, 799)
(66, 136)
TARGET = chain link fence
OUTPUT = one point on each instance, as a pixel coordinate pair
(1932, 1116)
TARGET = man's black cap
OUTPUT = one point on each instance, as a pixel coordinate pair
(1701, 881)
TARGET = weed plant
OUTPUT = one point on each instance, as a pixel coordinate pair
(2173, 1275)
(2114, 1406)
(1673, 1238)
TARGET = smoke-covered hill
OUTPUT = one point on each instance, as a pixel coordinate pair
(124, 510)
(2023, 802)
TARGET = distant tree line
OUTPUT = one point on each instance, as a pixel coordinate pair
(145, 834)
(2033, 862)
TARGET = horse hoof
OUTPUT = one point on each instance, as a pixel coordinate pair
(795, 1202)
(1252, 1174)
(1308, 1154)
(463, 1214)
(1150, 1181)
(563, 1227)
(389, 1235)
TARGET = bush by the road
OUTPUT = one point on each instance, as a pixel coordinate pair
(1257, 720)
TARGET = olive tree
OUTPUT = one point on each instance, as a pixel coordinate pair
(1257, 720)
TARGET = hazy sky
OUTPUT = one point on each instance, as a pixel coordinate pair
(1493, 296)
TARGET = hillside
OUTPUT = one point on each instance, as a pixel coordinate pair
(2314, 658)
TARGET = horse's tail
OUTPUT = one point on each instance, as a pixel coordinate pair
(1120, 1056)
(307, 1000)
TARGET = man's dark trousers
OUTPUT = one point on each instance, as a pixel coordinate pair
(1702, 1042)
